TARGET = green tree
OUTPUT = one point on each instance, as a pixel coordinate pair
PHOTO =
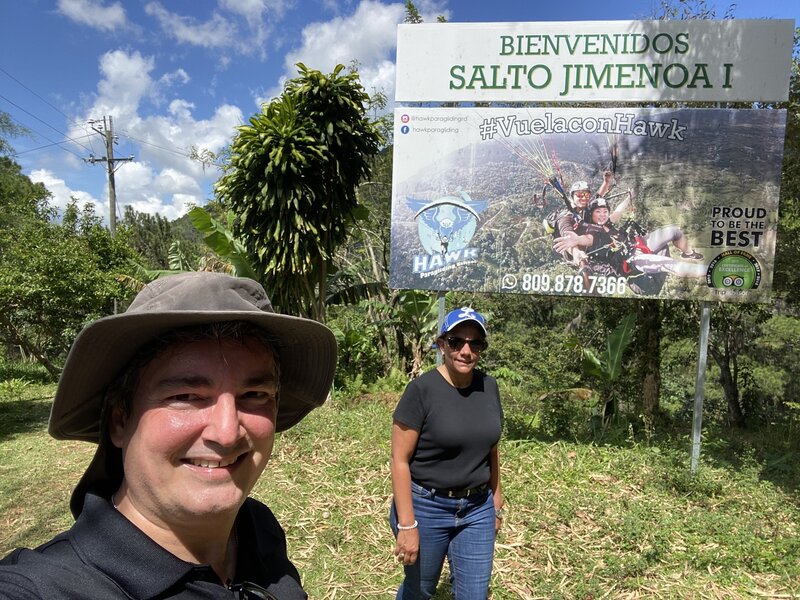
(54, 277)
(291, 181)
(149, 235)
(412, 14)
(606, 367)
(9, 129)
(361, 279)
(786, 280)
(735, 330)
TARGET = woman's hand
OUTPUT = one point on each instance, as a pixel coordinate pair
(498, 519)
(407, 548)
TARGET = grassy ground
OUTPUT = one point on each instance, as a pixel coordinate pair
(622, 520)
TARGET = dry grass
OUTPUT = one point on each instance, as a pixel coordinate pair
(584, 521)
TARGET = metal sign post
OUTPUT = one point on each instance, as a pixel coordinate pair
(442, 294)
(699, 385)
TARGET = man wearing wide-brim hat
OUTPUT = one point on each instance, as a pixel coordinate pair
(183, 393)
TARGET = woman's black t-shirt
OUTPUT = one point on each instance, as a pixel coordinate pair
(457, 429)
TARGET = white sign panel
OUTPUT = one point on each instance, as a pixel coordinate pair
(693, 60)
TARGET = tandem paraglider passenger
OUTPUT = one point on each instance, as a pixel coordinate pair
(446, 467)
(183, 393)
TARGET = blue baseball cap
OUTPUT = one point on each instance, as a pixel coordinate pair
(462, 315)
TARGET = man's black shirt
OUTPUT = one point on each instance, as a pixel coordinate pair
(105, 556)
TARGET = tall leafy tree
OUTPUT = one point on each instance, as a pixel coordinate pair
(150, 235)
(732, 337)
(412, 14)
(54, 276)
(291, 181)
(787, 252)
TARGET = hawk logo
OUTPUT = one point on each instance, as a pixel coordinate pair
(446, 226)
(448, 223)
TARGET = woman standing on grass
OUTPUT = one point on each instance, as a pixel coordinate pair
(446, 467)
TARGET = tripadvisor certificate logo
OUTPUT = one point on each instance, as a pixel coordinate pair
(735, 269)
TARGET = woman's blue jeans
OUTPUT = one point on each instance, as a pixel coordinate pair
(460, 528)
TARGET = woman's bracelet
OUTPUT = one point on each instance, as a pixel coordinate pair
(407, 527)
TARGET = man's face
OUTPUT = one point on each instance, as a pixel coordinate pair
(581, 198)
(200, 432)
(464, 359)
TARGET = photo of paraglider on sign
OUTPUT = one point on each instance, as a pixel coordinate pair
(662, 203)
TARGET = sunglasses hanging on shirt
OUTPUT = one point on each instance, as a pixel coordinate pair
(250, 591)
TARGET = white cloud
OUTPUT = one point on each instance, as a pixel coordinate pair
(178, 76)
(62, 194)
(256, 12)
(171, 181)
(249, 9)
(379, 78)
(239, 25)
(167, 192)
(154, 205)
(125, 81)
(217, 32)
(166, 140)
(368, 36)
(161, 178)
(94, 13)
(331, 5)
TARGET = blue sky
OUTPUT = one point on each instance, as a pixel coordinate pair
(177, 74)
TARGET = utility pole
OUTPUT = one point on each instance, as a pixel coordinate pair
(107, 131)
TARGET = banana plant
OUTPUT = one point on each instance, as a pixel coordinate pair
(219, 237)
(606, 367)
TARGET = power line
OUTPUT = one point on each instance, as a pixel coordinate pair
(46, 123)
(183, 152)
(40, 134)
(55, 108)
(180, 152)
(50, 104)
(47, 145)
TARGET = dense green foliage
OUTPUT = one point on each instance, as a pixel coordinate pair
(291, 180)
(149, 235)
(54, 276)
(787, 253)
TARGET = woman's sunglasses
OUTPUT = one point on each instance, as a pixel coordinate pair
(457, 343)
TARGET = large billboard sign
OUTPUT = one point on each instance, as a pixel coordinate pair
(612, 202)
(690, 60)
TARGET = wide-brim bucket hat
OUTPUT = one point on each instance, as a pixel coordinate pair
(307, 351)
